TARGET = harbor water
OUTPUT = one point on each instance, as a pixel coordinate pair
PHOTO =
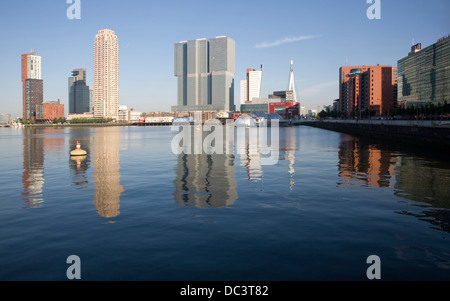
(132, 209)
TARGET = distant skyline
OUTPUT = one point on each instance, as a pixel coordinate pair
(319, 36)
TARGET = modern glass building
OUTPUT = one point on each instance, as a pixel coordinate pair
(205, 75)
(79, 93)
(424, 75)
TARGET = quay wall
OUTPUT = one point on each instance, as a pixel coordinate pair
(435, 135)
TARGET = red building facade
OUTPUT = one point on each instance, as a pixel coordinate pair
(49, 111)
(367, 88)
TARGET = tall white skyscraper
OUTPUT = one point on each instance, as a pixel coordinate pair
(254, 84)
(251, 87)
(106, 75)
(243, 96)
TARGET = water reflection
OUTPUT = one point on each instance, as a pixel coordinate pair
(33, 168)
(422, 179)
(205, 180)
(36, 143)
(209, 180)
(250, 155)
(106, 171)
(365, 164)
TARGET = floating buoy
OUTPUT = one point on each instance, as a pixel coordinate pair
(78, 151)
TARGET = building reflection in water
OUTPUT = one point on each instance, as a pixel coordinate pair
(205, 180)
(423, 180)
(288, 147)
(209, 180)
(364, 164)
(33, 168)
(426, 181)
(250, 155)
(106, 171)
(36, 143)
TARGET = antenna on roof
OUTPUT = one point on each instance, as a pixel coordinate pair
(32, 51)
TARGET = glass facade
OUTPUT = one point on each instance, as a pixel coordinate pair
(80, 95)
(423, 76)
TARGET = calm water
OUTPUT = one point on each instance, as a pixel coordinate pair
(133, 210)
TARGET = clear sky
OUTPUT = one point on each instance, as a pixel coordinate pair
(320, 36)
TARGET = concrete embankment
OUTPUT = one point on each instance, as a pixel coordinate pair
(425, 133)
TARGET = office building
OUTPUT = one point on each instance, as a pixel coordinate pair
(205, 75)
(79, 93)
(424, 76)
(367, 88)
(106, 75)
(32, 85)
(251, 86)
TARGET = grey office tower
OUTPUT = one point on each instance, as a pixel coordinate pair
(205, 72)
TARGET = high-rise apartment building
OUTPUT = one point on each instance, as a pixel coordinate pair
(106, 75)
(32, 85)
(424, 76)
(205, 72)
(367, 88)
(79, 93)
(251, 86)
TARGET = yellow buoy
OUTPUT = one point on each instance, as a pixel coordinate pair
(78, 151)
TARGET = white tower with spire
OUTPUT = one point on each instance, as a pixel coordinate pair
(291, 85)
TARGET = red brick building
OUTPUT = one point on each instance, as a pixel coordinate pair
(367, 88)
(49, 111)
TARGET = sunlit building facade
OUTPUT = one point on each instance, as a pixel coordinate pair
(367, 88)
(424, 75)
(106, 75)
(32, 85)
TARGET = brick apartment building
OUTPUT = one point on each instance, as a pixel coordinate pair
(49, 111)
(367, 88)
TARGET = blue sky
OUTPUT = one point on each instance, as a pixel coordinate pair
(318, 35)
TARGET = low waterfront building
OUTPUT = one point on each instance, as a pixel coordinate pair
(49, 111)
(281, 102)
(86, 115)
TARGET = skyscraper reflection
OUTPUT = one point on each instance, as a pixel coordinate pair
(33, 168)
(106, 171)
(205, 180)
